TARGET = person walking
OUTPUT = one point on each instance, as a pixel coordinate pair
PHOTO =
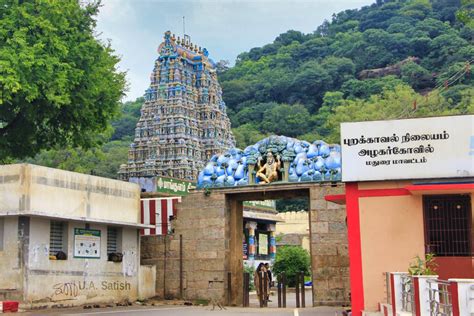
(269, 272)
(260, 279)
(270, 280)
(256, 278)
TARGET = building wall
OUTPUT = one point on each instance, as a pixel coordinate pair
(11, 177)
(30, 189)
(11, 278)
(202, 222)
(294, 223)
(29, 197)
(329, 252)
(391, 237)
(76, 280)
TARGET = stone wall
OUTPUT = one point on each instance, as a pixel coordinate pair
(201, 221)
(329, 248)
(152, 252)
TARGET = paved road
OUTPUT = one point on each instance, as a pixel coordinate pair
(192, 311)
(206, 310)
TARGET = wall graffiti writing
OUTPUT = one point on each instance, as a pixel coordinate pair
(74, 288)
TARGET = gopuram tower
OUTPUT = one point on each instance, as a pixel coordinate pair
(183, 121)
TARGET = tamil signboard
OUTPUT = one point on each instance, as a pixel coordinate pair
(86, 243)
(164, 185)
(437, 147)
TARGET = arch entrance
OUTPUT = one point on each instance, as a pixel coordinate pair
(210, 223)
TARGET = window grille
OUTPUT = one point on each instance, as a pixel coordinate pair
(448, 225)
(112, 240)
(57, 240)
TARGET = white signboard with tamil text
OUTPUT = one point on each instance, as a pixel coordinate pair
(437, 147)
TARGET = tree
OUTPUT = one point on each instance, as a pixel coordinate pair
(310, 83)
(466, 13)
(58, 83)
(401, 102)
(416, 76)
(285, 119)
(101, 161)
(291, 260)
(292, 205)
(221, 66)
(246, 135)
(124, 126)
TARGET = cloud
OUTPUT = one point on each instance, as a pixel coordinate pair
(225, 27)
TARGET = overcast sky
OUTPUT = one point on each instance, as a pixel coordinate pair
(225, 27)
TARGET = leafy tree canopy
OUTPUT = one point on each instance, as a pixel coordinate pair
(59, 83)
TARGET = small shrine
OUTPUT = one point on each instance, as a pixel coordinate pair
(273, 159)
(183, 121)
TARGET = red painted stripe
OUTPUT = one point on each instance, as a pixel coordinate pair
(164, 217)
(453, 288)
(416, 296)
(392, 294)
(383, 192)
(152, 207)
(355, 251)
(142, 231)
(435, 187)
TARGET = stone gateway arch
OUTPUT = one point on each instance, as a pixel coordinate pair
(210, 222)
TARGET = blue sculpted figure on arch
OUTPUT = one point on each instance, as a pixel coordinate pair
(273, 159)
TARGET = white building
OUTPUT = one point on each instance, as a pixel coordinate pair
(67, 238)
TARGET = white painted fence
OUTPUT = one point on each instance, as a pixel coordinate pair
(427, 295)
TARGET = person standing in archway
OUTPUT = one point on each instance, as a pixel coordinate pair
(270, 280)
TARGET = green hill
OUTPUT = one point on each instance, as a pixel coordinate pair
(377, 62)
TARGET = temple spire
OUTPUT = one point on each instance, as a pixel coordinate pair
(183, 120)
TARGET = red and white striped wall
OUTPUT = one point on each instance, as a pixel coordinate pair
(157, 212)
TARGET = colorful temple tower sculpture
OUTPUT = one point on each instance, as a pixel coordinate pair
(183, 121)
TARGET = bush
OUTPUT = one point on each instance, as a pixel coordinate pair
(250, 270)
(291, 260)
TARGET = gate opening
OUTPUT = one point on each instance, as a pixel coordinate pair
(275, 241)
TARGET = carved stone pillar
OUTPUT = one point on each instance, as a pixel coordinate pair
(272, 228)
(251, 226)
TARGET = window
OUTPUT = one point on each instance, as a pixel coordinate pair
(114, 242)
(448, 225)
(2, 232)
(58, 240)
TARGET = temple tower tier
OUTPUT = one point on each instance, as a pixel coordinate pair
(183, 121)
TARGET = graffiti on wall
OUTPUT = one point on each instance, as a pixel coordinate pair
(73, 289)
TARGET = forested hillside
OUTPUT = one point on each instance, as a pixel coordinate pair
(303, 85)
(393, 59)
